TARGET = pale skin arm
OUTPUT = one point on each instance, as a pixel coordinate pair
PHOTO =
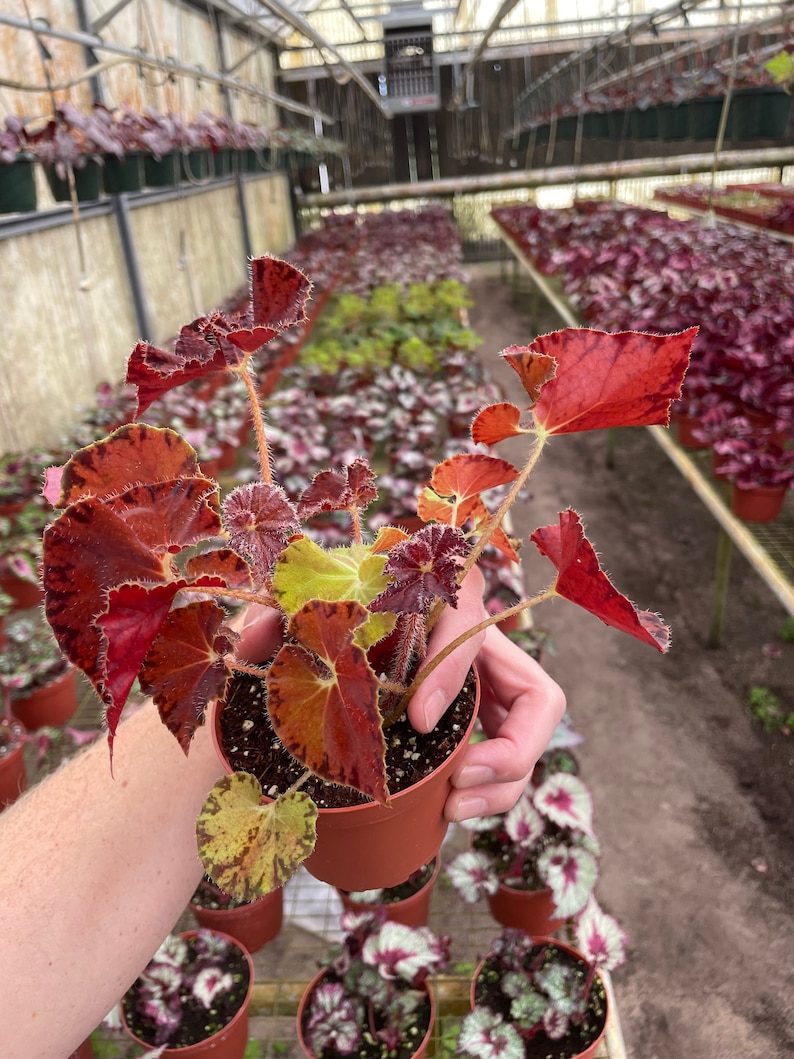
(95, 870)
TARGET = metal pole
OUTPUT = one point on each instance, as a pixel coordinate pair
(121, 211)
(532, 178)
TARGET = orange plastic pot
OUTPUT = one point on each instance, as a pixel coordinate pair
(588, 1052)
(763, 503)
(54, 704)
(253, 925)
(413, 911)
(368, 846)
(529, 910)
(13, 777)
(686, 427)
(420, 1051)
(229, 1042)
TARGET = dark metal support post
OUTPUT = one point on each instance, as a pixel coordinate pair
(121, 210)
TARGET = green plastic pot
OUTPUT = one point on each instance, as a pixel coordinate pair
(123, 174)
(87, 183)
(18, 186)
(161, 172)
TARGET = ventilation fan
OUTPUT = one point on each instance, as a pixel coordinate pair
(410, 81)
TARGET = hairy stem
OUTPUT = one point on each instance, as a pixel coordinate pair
(259, 427)
(445, 652)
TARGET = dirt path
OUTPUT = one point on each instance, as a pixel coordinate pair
(694, 804)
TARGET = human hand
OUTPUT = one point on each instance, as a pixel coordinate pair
(520, 706)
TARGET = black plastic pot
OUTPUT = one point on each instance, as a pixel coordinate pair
(18, 186)
(123, 174)
(87, 183)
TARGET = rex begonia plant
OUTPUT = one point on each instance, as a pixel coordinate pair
(372, 1000)
(530, 993)
(143, 563)
(545, 841)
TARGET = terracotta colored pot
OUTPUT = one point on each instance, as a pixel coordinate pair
(717, 463)
(25, 594)
(304, 1003)
(529, 910)
(365, 847)
(54, 704)
(228, 1043)
(13, 777)
(253, 924)
(760, 504)
(590, 1051)
(413, 911)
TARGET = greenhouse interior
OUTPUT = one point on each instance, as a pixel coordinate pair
(311, 309)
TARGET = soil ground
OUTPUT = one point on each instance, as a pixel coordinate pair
(694, 802)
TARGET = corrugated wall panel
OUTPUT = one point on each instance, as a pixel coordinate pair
(21, 61)
(191, 256)
(258, 69)
(162, 29)
(61, 336)
(269, 210)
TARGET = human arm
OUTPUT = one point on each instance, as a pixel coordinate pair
(520, 706)
(95, 870)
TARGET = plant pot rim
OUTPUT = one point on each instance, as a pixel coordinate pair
(187, 934)
(399, 799)
(420, 1048)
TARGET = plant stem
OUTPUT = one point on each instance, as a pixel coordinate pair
(259, 427)
(445, 652)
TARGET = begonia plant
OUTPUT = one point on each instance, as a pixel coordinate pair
(372, 1000)
(546, 841)
(145, 562)
(534, 997)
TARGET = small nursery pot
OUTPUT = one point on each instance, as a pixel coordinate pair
(763, 503)
(53, 705)
(229, 1042)
(368, 846)
(529, 910)
(13, 777)
(304, 1003)
(252, 925)
(413, 911)
(585, 1053)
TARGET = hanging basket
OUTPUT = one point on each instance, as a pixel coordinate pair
(18, 186)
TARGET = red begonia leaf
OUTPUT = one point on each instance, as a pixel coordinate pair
(214, 343)
(154, 371)
(351, 487)
(457, 483)
(581, 580)
(533, 366)
(323, 698)
(422, 569)
(186, 667)
(610, 380)
(220, 567)
(87, 551)
(132, 454)
(495, 423)
(169, 516)
(134, 616)
(278, 293)
(259, 519)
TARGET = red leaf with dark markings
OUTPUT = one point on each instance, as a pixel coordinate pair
(605, 380)
(220, 567)
(495, 423)
(533, 366)
(581, 580)
(169, 516)
(351, 487)
(186, 668)
(132, 454)
(422, 569)
(323, 699)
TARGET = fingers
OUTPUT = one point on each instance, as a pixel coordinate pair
(439, 689)
(520, 708)
(260, 633)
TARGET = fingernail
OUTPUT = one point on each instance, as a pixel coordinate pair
(467, 808)
(473, 775)
(434, 708)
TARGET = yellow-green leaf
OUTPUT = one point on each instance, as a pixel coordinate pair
(249, 848)
(781, 67)
(305, 571)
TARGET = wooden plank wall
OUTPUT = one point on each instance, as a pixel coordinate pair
(70, 322)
